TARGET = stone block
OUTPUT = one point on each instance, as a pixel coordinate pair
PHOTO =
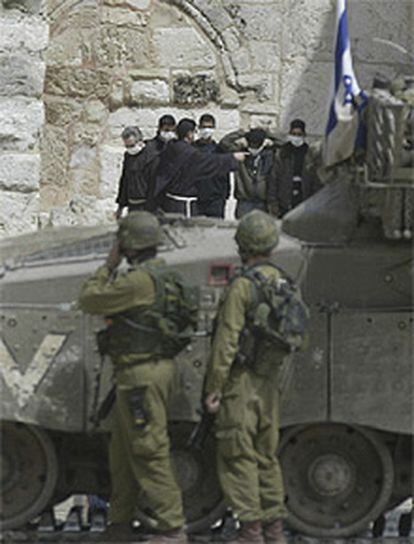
(55, 156)
(218, 17)
(20, 123)
(17, 34)
(20, 75)
(257, 21)
(19, 172)
(18, 212)
(266, 56)
(241, 61)
(95, 112)
(85, 133)
(65, 49)
(195, 90)
(153, 91)
(77, 82)
(120, 17)
(27, 6)
(80, 210)
(61, 112)
(117, 46)
(111, 159)
(117, 95)
(183, 48)
(84, 157)
(261, 84)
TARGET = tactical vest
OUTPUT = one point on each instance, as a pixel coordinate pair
(161, 330)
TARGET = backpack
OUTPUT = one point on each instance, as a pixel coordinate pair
(278, 314)
(161, 330)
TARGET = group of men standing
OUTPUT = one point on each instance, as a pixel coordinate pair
(178, 172)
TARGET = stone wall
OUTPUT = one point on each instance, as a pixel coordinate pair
(110, 63)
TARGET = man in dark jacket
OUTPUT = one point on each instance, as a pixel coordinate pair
(132, 190)
(212, 193)
(294, 176)
(254, 176)
(183, 168)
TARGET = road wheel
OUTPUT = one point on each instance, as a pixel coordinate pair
(29, 471)
(338, 478)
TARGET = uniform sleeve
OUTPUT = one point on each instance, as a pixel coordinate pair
(102, 295)
(230, 323)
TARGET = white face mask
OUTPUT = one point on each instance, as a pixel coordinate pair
(297, 141)
(206, 133)
(167, 135)
(135, 149)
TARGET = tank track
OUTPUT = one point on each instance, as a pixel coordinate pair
(396, 528)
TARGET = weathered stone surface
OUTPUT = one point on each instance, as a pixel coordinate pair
(80, 210)
(117, 46)
(387, 20)
(305, 94)
(55, 156)
(116, 98)
(65, 49)
(28, 6)
(183, 48)
(135, 4)
(257, 21)
(155, 91)
(19, 172)
(195, 90)
(111, 166)
(308, 30)
(18, 212)
(85, 133)
(61, 112)
(121, 16)
(262, 85)
(20, 123)
(77, 82)
(266, 56)
(20, 75)
(27, 33)
(95, 112)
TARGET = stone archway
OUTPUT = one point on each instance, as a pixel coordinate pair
(128, 62)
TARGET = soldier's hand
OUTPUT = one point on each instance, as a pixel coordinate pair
(118, 214)
(212, 403)
(114, 257)
(240, 155)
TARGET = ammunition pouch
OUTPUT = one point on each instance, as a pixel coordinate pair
(137, 405)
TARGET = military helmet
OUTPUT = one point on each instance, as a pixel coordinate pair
(139, 230)
(257, 233)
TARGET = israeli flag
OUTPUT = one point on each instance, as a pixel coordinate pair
(347, 97)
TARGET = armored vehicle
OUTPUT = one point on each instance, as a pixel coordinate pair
(347, 415)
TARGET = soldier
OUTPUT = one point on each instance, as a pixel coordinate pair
(245, 396)
(132, 189)
(139, 450)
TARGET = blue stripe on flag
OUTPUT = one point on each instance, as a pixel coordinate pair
(340, 47)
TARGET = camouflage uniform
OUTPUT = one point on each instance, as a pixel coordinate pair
(139, 451)
(247, 425)
(248, 420)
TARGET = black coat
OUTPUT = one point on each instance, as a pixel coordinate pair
(292, 161)
(218, 187)
(182, 168)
